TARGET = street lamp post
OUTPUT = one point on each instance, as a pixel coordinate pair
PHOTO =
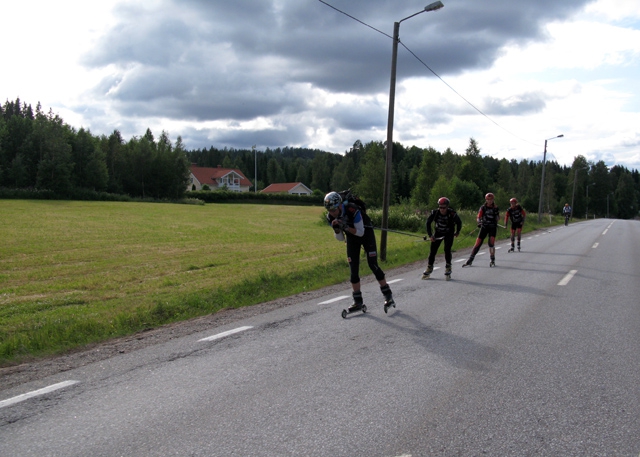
(586, 216)
(544, 158)
(573, 195)
(386, 196)
(255, 179)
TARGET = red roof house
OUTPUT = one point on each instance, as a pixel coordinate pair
(217, 178)
(296, 188)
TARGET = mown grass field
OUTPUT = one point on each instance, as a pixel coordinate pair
(74, 273)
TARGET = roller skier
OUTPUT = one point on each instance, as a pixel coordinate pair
(447, 225)
(488, 217)
(517, 214)
(351, 223)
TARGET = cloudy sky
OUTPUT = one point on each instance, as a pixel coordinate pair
(511, 73)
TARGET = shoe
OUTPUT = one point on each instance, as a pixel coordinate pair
(492, 263)
(447, 272)
(355, 307)
(467, 263)
(388, 303)
(427, 273)
(511, 249)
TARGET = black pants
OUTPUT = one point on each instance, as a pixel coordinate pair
(484, 231)
(435, 245)
(368, 242)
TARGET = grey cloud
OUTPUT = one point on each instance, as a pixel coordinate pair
(218, 60)
(532, 102)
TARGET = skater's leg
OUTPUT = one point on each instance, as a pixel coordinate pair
(448, 244)
(492, 247)
(476, 247)
(370, 250)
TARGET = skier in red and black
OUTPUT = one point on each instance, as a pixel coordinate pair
(517, 214)
(348, 220)
(488, 217)
(447, 225)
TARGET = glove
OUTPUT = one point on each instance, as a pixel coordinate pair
(337, 225)
(479, 224)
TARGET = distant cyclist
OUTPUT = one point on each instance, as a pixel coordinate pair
(566, 212)
(517, 215)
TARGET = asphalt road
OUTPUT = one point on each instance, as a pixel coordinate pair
(538, 356)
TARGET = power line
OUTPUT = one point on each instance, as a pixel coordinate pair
(431, 70)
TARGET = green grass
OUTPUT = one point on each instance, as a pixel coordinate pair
(74, 273)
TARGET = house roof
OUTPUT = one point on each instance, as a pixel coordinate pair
(207, 175)
(283, 187)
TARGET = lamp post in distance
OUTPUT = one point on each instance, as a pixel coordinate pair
(386, 196)
(544, 158)
(573, 195)
(255, 179)
(610, 193)
(586, 216)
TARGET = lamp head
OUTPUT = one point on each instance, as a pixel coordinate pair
(434, 6)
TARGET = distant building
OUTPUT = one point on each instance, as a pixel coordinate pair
(295, 188)
(217, 178)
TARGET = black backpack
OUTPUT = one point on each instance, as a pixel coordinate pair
(350, 197)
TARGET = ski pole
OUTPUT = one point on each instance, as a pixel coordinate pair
(401, 233)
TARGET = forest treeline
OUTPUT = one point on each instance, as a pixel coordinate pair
(40, 152)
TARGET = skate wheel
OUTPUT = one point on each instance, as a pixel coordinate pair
(364, 308)
(344, 313)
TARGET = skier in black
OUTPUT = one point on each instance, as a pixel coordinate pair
(488, 217)
(348, 220)
(517, 214)
(447, 226)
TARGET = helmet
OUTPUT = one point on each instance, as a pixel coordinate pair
(332, 200)
(488, 196)
(443, 201)
(513, 200)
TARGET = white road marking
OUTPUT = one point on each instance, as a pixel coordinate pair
(564, 281)
(605, 231)
(35, 393)
(395, 280)
(333, 300)
(595, 245)
(223, 334)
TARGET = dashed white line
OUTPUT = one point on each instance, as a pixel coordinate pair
(395, 280)
(564, 281)
(595, 245)
(223, 334)
(333, 300)
(35, 393)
